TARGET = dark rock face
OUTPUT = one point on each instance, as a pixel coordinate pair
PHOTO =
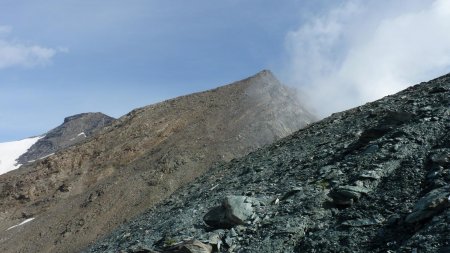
(371, 179)
(75, 128)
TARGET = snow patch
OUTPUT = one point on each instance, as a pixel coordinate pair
(80, 134)
(46, 156)
(20, 224)
(11, 151)
(32, 161)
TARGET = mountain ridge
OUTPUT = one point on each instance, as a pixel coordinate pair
(84, 191)
(374, 178)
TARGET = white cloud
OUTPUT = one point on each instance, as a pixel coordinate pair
(358, 53)
(13, 53)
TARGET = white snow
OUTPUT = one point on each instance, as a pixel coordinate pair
(46, 156)
(40, 158)
(11, 151)
(20, 224)
(82, 134)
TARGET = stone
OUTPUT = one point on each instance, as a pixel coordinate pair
(233, 233)
(362, 222)
(216, 217)
(371, 174)
(141, 249)
(238, 208)
(192, 246)
(393, 220)
(371, 149)
(291, 193)
(235, 210)
(229, 241)
(216, 241)
(441, 158)
(347, 194)
(429, 205)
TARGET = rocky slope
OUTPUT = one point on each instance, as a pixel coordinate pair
(370, 179)
(74, 129)
(86, 190)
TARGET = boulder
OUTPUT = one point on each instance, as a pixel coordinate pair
(192, 246)
(235, 210)
(347, 194)
(429, 205)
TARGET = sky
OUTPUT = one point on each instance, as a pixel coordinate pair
(63, 57)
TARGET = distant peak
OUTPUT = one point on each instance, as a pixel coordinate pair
(82, 115)
(264, 77)
(265, 73)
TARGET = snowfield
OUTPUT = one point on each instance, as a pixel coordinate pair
(11, 151)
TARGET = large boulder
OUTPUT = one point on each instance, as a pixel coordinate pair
(429, 205)
(235, 210)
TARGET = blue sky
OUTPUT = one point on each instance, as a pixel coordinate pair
(62, 57)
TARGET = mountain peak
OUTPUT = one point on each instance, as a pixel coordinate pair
(265, 72)
(266, 76)
(82, 115)
(74, 129)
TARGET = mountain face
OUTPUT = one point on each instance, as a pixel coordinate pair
(74, 129)
(371, 179)
(81, 193)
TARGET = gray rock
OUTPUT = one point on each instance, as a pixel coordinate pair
(362, 222)
(233, 232)
(216, 241)
(347, 194)
(429, 205)
(371, 174)
(239, 209)
(291, 193)
(193, 246)
(371, 149)
(141, 249)
(235, 210)
(216, 217)
(441, 158)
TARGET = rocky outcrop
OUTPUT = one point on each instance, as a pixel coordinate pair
(88, 189)
(75, 128)
(371, 179)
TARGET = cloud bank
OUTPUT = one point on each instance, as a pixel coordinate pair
(359, 52)
(13, 53)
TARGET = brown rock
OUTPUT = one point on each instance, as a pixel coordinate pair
(141, 159)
